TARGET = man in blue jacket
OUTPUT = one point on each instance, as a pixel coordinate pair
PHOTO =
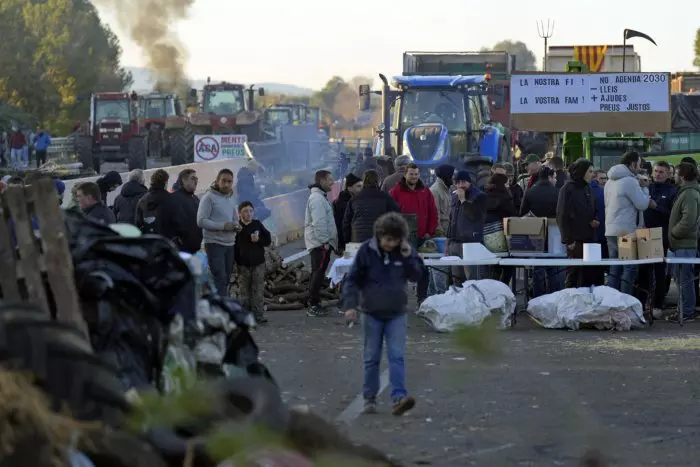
(663, 194)
(41, 141)
(376, 284)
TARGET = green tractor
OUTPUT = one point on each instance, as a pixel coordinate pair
(602, 149)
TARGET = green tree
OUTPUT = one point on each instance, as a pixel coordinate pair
(696, 61)
(524, 58)
(53, 55)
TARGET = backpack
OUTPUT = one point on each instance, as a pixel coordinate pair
(152, 222)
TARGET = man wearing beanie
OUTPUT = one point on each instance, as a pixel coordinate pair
(390, 182)
(443, 199)
(466, 222)
(353, 185)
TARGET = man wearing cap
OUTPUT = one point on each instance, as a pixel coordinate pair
(400, 164)
(353, 185)
(466, 222)
(533, 165)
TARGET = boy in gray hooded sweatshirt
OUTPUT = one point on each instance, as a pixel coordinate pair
(216, 216)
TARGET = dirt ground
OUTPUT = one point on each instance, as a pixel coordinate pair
(544, 400)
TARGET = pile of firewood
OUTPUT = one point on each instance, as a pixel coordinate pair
(286, 285)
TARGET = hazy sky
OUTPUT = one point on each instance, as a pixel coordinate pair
(305, 42)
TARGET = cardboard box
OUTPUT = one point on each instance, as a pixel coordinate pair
(526, 234)
(627, 246)
(650, 243)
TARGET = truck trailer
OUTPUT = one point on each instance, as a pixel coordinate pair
(597, 58)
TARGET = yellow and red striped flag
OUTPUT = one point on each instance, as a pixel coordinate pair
(592, 55)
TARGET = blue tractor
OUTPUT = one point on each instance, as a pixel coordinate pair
(439, 120)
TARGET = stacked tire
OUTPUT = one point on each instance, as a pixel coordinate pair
(60, 358)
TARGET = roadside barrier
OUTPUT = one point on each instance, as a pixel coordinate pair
(286, 223)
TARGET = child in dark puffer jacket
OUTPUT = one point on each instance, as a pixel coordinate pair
(376, 283)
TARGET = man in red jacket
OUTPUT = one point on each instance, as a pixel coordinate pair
(413, 197)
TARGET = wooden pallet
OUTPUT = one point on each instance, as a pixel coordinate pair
(34, 257)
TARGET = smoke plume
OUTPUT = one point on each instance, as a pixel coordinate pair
(147, 22)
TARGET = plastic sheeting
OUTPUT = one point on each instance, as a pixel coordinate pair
(685, 112)
(601, 308)
(469, 305)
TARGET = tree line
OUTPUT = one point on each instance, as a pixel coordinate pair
(53, 55)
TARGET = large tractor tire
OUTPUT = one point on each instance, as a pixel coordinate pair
(153, 140)
(60, 359)
(182, 146)
(137, 153)
(83, 149)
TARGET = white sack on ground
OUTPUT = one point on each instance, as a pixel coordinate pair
(602, 307)
(468, 305)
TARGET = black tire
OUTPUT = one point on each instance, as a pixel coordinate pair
(96, 163)
(83, 149)
(182, 146)
(137, 152)
(60, 359)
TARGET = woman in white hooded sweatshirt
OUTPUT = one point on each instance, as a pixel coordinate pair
(624, 199)
(216, 216)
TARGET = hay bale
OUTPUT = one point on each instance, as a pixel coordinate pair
(30, 433)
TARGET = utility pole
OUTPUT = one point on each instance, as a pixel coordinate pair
(545, 33)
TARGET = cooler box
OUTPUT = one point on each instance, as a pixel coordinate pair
(441, 244)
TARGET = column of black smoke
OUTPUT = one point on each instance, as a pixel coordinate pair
(148, 24)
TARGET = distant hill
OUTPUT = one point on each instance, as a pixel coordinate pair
(143, 82)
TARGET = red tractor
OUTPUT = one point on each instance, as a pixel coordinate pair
(112, 132)
(156, 113)
(220, 108)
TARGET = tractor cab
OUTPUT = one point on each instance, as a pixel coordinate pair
(299, 112)
(437, 120)
(223, 99)
(112, 121)
(223, 107)
(157, 107)
(112, 133)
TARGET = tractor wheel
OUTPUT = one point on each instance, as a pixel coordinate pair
(83, 149)
(60, 359)
(137, 153)
(182, 146)
(154, 144)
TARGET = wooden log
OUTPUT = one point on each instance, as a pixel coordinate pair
(285, 306)
(294, 297)
(328, 295)
(8, 271)
(17, 199)
(285, 288)
(59, 264)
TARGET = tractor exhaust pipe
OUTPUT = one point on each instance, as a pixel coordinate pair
(386, 115)
(251, 98)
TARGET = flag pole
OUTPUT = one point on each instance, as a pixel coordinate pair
(624, 49)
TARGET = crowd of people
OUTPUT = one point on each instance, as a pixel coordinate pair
(590, 206)
(221, 221)
(392, 216)
(20, 145)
